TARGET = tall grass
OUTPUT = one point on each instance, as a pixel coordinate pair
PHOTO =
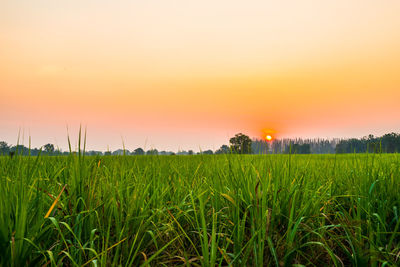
(236, 210)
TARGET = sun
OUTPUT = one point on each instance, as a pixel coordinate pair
(268, 134)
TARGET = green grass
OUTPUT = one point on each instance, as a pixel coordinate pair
(237, 210)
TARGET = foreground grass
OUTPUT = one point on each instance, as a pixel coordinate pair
(200, 210)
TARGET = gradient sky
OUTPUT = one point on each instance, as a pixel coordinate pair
(190, 74)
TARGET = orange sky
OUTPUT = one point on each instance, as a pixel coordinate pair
(190, 74)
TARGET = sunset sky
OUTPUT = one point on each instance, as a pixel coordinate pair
(190, 74)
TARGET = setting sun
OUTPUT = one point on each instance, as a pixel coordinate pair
(268, 137)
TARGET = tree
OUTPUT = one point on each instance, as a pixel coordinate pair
(240, 144)
(152, 152)
(138, 151)
(49, 148)
(208, 152)
(93, 153)
(4, 148)
(224, 149)
(391, 142)
(121, 152)
(190, 152)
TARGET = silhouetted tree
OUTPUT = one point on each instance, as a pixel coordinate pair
(152, 152)
(20, 150)
(208, 152)
(224, 149)
(120, 152)
(49, 148)
(391, 143)
(240, 144)
(138, 151)
(93, 153)
(4, 148)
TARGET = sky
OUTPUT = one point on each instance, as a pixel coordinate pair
(178, 75)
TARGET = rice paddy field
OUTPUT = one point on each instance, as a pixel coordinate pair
(202, 210)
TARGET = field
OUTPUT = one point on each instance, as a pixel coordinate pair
(202, 210)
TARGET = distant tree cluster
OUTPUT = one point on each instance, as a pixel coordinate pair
(297, 145)
(224, 149)
(388, 143)
(48, 149)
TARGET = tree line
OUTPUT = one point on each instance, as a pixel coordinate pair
(243, 144)
(295, 146)
(388, 143)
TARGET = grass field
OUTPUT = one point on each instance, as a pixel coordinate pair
(239, 210)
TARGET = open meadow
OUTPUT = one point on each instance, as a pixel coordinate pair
(201, 210)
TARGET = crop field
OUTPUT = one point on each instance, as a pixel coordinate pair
(201, 210)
